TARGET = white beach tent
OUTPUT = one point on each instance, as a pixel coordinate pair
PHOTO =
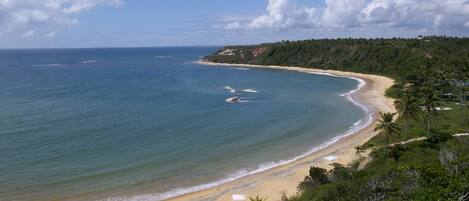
(238, 197)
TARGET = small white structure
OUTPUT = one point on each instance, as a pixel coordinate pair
(238, 197)
(331, 158)
(438, 108)
(443, 108)
(227, 52)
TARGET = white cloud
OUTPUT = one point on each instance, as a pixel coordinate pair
(50, 34)
(285, 14)
(365, 14)
(43, 17)
(28, 34)
(341, 13)
(234, 25)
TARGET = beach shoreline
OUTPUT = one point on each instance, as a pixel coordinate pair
(283, 179)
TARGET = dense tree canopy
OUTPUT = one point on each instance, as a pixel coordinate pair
(397, 57)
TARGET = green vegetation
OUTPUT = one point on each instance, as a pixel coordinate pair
(432, 75)
(408, 109)
(434, 169)
(257, 198)
(397, 58)
(386, 124)
(418, 172)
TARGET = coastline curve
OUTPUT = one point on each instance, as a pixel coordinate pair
(184, 193)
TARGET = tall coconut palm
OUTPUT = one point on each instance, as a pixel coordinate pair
(430, 102)
(428, 94)
(408, 109)
(386, 124)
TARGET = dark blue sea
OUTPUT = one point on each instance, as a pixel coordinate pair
(122, 122)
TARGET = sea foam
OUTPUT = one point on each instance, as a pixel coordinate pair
(229, 88)
(47, 65)
(240, 68)
(250, 90)
(88, 61)
(164, 57)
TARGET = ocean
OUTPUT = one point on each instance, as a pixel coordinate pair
(150, 123)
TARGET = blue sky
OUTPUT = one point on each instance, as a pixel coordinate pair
(136, 23)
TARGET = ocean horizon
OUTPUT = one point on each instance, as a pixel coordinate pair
(150, 123)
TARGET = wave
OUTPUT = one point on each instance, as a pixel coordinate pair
(244, 100)
(237, 99)
(240, 68)
(46, 65)
(250, 90)
(164, 57)
(233, 99)
(351, 96)
(88, 61)
(358, 122)
(231, 89)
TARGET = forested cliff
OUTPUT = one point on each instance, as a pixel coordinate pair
(396, 57)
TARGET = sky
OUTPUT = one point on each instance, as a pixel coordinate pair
(152, 23)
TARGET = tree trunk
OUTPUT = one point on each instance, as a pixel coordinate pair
(461, 95)
(387, 138)
(462, 99)
(428, 125)
(405, 130)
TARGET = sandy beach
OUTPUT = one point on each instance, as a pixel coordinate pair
(271, 183)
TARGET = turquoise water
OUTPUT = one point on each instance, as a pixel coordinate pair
(148, 122)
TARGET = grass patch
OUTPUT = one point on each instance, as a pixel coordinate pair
(449, 122)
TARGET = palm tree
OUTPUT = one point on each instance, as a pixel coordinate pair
(430, 102)
(386, 123)
(431, 80)
(408, 109)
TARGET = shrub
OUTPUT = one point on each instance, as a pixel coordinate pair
(340, 173)
(257, 198)
(317, 176)
(437, 138)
